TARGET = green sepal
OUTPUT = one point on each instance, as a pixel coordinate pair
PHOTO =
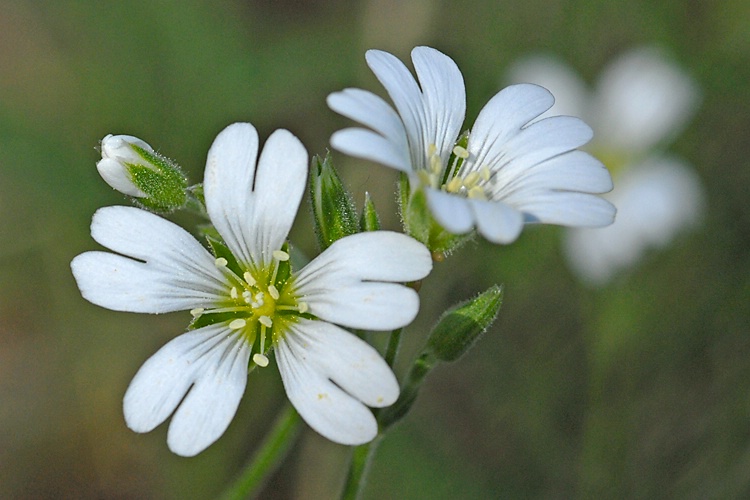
(161, 179)
(334, 212)
(420, 225)
(369, 220)
(461, 326)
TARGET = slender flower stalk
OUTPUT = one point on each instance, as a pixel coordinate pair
(502, 174)
(247, 302)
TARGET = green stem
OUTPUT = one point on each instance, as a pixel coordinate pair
(267, 458)
(393, 344)
(360, 466)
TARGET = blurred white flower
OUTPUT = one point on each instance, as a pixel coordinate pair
(640, 102)
(245, 300)
(505, 174)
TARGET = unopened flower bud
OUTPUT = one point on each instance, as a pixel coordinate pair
(461, 326)
(132, 167)
(333, 208)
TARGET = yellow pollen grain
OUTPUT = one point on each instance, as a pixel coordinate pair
(237, 324)
(280, 255)
(221, 262)
(260, 360)
(265, 321)
(273, 292)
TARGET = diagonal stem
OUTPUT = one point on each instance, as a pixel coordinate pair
(268, 457)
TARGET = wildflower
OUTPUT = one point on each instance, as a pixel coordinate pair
(641, 102)
(502, 174)
(246, 301)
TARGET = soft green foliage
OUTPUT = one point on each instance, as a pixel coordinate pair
(334, 213)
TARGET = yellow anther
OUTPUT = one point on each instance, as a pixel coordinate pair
(471, 180)
(302, 306)
(280, 255)
(485, 173)
(197, 311)
(477, 193)
(265, 321)
(273, 292)
(425, 177)
(461, 152)
(237, 324)
(436, 165)
(234, 293)
(221, 262)
(454, 185)
(431, 149)
(249, 278)
(260, 360)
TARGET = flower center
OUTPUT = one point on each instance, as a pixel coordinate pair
(455, 178)
(258, 304)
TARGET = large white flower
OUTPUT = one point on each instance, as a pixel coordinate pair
(641, 101)
(509, 172)
(245, 300)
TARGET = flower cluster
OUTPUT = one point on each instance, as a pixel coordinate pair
(251, 301)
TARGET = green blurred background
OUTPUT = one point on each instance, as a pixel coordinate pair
(639, 390)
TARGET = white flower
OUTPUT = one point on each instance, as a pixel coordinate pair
(245, 300)
(640, 102)
(508, 172)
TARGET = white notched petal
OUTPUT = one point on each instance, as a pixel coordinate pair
(534, 144)
(253, 210)
(362, 143)
(567, 209)
(407, 98)
(351, 363)
(573, 171)
(354, 281)
(325, 407)
(279, 186)
(641, 99)
(163, 268)
(208, 365)
(570, 91)
(497, 221)
(372, 111)
(444, 96)
(503, 117)
(450, 210)
(228, 182)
